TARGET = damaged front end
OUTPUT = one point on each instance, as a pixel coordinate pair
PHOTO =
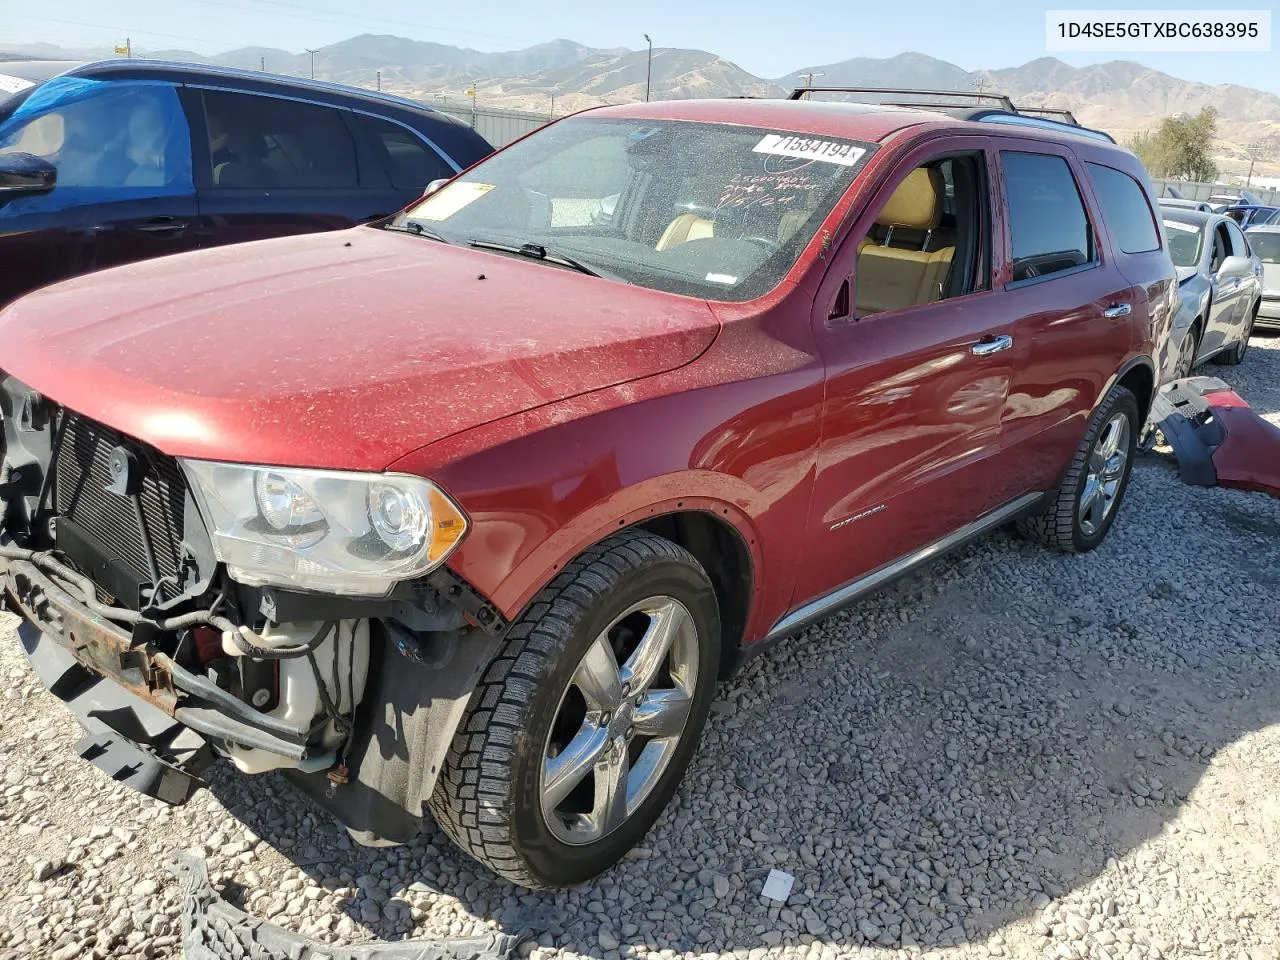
(284, 619)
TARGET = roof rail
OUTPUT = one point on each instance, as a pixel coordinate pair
(1066, 116)
(799, 93)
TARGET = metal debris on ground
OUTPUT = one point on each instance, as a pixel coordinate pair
(212, 929)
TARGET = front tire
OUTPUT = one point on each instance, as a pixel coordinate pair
(580, 731)
(1089, 495)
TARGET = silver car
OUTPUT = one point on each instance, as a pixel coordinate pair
(1220, 289)
(1265, 241)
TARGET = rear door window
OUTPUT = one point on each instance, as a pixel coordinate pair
(1048, 227)
(264, 143)
(410, 163)
(1124, 204)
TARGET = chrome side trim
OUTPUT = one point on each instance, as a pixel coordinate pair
(855, 589)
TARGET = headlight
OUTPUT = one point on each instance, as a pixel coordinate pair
(347, 533)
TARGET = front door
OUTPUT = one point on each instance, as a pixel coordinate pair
(919, 356)
(124, 192)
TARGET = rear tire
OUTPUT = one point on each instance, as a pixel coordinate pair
(563, 733)
(1088, 498)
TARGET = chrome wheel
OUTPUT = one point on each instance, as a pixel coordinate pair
(1243, 346)
(1107, 462)
(1186, 355)
(617, 727)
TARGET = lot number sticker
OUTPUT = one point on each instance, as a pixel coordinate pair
(10, 84)
(807, 148)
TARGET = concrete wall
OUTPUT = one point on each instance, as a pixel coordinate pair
(499, 127)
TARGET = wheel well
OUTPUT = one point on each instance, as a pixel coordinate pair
(720, 550)
(1141, 383)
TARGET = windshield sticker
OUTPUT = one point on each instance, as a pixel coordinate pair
(1175, 225)
(10, 84)
(721, 278)
(806, 148)
(449, 200)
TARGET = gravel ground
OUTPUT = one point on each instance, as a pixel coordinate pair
(1014, 754)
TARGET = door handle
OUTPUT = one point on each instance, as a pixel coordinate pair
(163, 225)
(1117, 310)
(991, 345)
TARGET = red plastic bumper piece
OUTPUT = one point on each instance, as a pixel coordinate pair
(1217, 437)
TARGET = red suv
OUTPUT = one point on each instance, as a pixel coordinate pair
(469, 512)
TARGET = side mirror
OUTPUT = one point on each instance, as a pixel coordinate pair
(25, 174)
(1235, 267)
(435, 185)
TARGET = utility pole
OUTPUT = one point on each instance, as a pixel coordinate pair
(313, 60)
(262, 64)
(129, 46)
(379, 81)
(1258, 149)
(648, 72)
(552, 115)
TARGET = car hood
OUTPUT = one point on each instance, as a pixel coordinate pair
(344, 350)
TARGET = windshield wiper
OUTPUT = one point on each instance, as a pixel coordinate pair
(418, 229)
(536, 251)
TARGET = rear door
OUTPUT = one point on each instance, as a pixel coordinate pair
(124, 192)
(408, 161)
(1138, 247)
(268, 166)
(1073, 306)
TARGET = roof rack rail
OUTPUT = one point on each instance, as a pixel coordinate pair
(1066, 116)
(799, 93)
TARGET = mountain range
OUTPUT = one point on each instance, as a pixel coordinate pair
(1121, 97)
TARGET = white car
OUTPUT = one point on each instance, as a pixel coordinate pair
(1219, 287)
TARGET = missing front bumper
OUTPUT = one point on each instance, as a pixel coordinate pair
(212, 929)
(147, 718)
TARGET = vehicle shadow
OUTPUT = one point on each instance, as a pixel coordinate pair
(931, 765)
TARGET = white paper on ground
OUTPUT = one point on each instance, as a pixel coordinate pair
(777, 886)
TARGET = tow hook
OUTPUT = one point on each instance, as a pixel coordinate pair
(212, 929)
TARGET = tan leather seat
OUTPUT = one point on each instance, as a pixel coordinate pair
(890, 278)
(686, 227)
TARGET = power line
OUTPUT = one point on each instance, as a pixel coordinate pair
(115, 29)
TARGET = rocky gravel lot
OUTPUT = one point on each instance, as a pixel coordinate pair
(1013, 754)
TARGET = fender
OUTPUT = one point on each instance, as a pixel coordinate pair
(540, 487)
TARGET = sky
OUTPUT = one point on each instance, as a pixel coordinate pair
(764, 37)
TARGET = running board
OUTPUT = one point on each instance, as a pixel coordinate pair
(857, 589)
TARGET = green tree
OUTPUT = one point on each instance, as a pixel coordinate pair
(1181, 148)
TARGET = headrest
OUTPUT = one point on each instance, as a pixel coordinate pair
(917, 203)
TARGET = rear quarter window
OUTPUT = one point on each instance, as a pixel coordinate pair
(1125, 207)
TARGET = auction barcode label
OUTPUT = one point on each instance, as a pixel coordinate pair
(1167, 31)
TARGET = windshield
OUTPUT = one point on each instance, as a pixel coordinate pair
(708, 210)
(1266, 246)
(1184, 242)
